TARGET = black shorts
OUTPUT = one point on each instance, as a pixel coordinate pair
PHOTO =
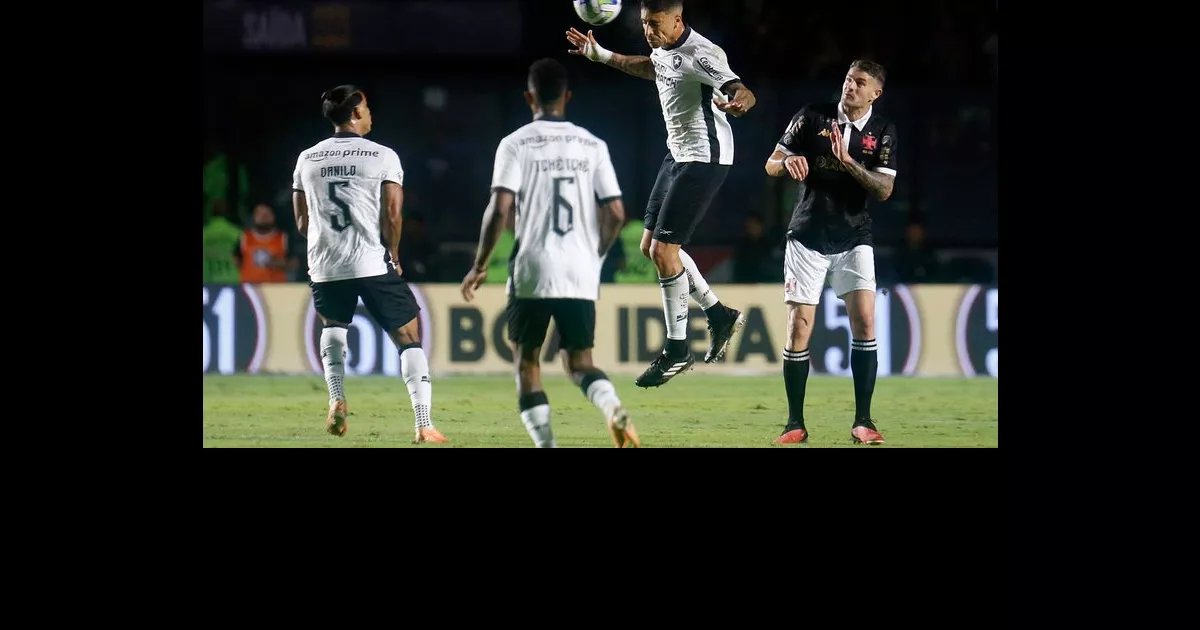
(681, 195)
(529, 319)
(387, 298)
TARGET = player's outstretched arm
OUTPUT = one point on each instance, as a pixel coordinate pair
(612, 219)
(741, 99)
(391, 219)
(494, 219)
(636, 65)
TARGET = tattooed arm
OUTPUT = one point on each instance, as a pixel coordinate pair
(878, 184)
(586, 45)
(636, 65)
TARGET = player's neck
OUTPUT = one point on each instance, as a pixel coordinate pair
(349, 128)
(680, 38)
(553, 114)
(853, 113)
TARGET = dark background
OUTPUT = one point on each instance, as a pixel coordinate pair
(444, 79)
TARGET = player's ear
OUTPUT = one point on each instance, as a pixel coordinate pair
(566, 97)
(529, 98)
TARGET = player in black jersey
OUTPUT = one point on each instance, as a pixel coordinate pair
(839, 153)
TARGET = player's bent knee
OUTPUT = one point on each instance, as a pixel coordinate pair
(800, 321)
(527, 357)
(579, 360)
(664, 254)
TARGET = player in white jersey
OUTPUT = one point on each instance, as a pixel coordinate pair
(347, 193)
(559, 180)
(696, 89)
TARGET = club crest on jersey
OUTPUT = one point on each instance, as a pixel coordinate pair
(869, 143)
(676, 61)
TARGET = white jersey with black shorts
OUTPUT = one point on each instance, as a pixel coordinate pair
(689, 74)
(341, 178)
(560, 174)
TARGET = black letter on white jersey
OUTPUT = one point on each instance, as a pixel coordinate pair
(339, 202)
(562, 206)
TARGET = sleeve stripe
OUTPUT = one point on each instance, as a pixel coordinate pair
(729, 83)
(784, 150)
(610, 199)
(886, 171)
(297, 190)
(496, 189)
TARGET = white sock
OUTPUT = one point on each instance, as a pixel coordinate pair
(415, 370)
(333, 357)
(675, 305)
(537, 424)
(603, 394)
(700, 291)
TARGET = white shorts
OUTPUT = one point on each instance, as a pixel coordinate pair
(805, 270)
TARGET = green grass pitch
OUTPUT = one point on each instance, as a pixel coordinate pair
(692, 411)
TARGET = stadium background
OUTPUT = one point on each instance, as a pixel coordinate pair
(445, 80)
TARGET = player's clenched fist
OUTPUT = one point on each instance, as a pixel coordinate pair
(586, 45)
(797, 166)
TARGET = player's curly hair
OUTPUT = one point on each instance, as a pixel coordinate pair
(337, 103)
(548, 80)
(872, 68)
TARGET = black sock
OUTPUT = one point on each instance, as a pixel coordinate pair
(677, 347)
(795, 379)
(864, 364)
(716, 313)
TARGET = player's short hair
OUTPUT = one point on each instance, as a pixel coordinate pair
(655, 6)
(872, 68)
(337, 103)
(548, 79)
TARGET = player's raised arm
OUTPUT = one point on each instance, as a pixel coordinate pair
(586, 45)
(712, 68)
(788, 156)
(878, 182)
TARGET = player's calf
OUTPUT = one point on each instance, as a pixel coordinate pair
(414, 368)
(603, 395)
(535, 415)
(333, 355)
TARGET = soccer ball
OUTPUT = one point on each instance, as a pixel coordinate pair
(597, 12)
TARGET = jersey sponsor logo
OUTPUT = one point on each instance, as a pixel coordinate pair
(707, 65)
(977, 332)
(235, 329)
(317, 156)
(824, 133)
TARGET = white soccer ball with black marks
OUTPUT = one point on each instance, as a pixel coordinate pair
(597, 12)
